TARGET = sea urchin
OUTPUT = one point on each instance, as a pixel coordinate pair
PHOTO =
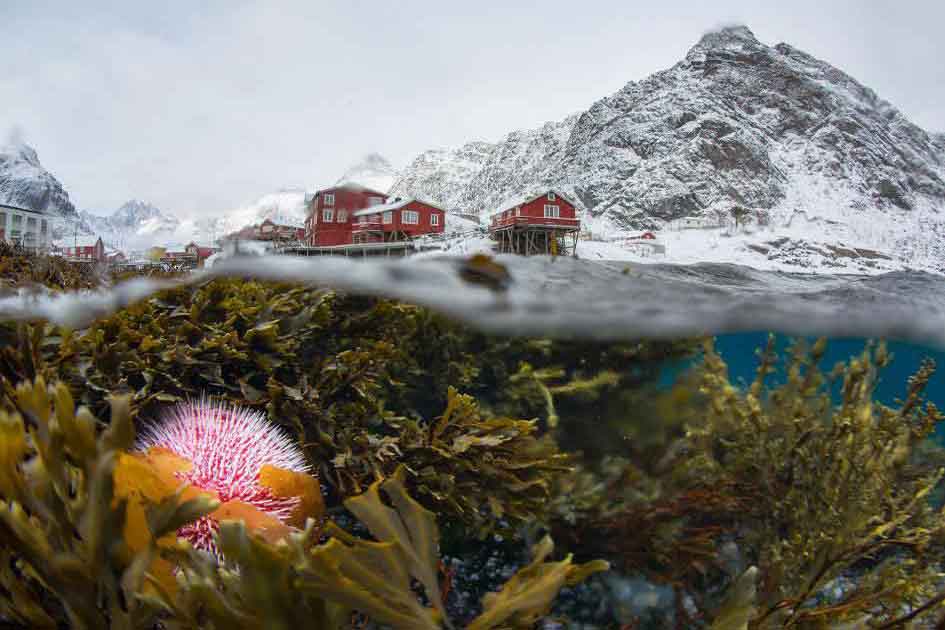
(240, 458)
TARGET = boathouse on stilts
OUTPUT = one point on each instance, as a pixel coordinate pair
(538, 224)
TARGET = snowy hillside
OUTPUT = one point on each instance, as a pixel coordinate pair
(26, 184)
(813, 154)
(285, 207)
(136, 225)
(374, 172)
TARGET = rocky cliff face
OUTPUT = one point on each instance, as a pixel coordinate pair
(26, 184)
(735, 122)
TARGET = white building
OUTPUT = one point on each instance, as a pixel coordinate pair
(30, 229)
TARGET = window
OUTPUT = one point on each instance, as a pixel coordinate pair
(342, 216)
(329, 199)
(17, 221)
(375, 201)
(518, 212)
(42, 227)
(388, 217)
(328, 215)
(411, 216)
(362, 218)
(551, 196)
(552, 212)
(434, 219)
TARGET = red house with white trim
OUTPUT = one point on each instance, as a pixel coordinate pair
(199, 253)
(85, 248)
(397, 220)
(331, 213)
(546, 223)
(549, 209)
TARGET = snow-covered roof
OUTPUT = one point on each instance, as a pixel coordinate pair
(519, 200)
(393, 205)
(351, 186)
(383, 207)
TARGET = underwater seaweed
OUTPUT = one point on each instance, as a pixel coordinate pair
(358, 382)
(66, 538)
(87, 528)
(801, 474)
(830, 490)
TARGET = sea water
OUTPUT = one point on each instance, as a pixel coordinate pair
(603, 302)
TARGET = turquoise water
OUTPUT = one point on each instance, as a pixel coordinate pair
(739, 353)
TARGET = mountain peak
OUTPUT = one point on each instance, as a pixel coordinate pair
(25, 183)
(728, 37)
(373, 171)
(134, 211)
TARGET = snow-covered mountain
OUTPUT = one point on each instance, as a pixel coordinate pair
(736, 122)
(136, 225)
(373, 171)
(285, 207)
(26, 184)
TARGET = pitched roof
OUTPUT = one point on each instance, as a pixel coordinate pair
(382, 207)
(394, 205)
(351, 186)
(521, 200)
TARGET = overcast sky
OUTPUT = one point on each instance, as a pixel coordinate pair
(199, 110)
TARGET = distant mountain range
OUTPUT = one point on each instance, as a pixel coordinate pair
(136, 225)
(814, 155)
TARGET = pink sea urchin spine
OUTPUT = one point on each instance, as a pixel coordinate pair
(227, 447)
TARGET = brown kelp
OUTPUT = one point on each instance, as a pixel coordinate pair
(796, 500)
(828, 500)
(361, 382)
(76, 548)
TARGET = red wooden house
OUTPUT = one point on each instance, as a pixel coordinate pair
(544, 224)
(271, 231)
(85, 248)
(199, 253)
(397, 220)
(331, 213)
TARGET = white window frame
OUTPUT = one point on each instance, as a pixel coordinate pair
(389, 217)
(375, 201)
(329, 200)
(552, 197)
(328, 215)
(518, 211)
(434, 219)
(552, 211)
(410, 217)
(342, 216)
